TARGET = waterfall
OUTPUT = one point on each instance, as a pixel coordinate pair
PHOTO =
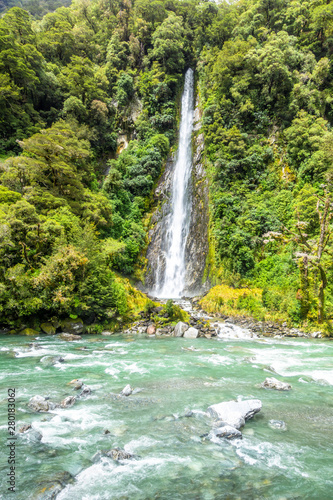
(171, 283)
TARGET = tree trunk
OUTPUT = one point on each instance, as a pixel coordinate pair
(321, 295)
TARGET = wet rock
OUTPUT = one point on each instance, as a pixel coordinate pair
(76, 383)
(48, 328)
(106, 431)
(227, 432)
(39, 403)
(73, 326)
(235, 413)
(116, 454)
(273, 383)
(69, 337)
(85, 391)
(51, 360)
(191, 333)
(316, 335)
(107, 333)
(34, 436)
(51, 488)
(277, 425)
(180, 329)
(127, 391)
(68, 402)
(151, 329)
(25, 428)
(29, 332)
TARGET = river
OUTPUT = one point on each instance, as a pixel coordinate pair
(173, 458)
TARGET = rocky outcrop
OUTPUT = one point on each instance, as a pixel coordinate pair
(235, 413)
(48, 328)
(273, 383)
(72, 326)
(197, 241)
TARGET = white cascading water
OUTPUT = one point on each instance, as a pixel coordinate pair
(172, 284)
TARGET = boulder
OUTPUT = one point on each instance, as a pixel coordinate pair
(38, 403)
(76, 383)
(48, 328)
(67, 402)
(180, 329)
(69, 337)
(227, 432)
(51, 360)
(25, 427)
(191, 333)
(29, 331)
(273, 383)
(85, 391)
(235, 413)
(74, 326)
(127, 390)
(151, 329)
(118, 454)
(107, 333)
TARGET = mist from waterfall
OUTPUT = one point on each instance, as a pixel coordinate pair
(171, 283)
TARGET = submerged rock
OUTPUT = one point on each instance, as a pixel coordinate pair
(273, 383)
(277, 425)
(116, 454)
(69, 337)
(39, 403)
(51, 488)
(180, 329)
(191, 333)
(51, 360)
(235, 413)
(127, 391)
(67, 402)
(85, 391)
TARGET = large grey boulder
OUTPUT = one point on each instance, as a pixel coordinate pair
(180, 329)
(273, 383)
(39, 403)
(191, 333)
(235, 413)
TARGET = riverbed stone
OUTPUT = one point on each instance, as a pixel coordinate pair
(24, 428)
(73, 326)
(67, 402)
(273, 383)
(127, 391)
(76, 383)
(191, 333)
(69, 337)
(48, 328)
(39, 403)
(235, 413)
(180, 329)
(227, 432)
(279, 425)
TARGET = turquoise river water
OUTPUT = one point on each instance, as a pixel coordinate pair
(173, 458)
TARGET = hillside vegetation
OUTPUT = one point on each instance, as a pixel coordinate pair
(80, 82)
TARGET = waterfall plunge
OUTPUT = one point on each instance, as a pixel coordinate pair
(172, 283)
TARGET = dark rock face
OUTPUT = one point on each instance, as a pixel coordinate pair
(197, 241)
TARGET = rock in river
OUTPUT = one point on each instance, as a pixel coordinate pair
(151, 329)
(191, 333)
(67, 402)
(39, 403)
(127, 391)
(74, 326)
(235, 413)
(273, 383)
(180, 329)
(69, 337)
(227, 432)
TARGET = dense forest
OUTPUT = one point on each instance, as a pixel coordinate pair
(79, 83)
